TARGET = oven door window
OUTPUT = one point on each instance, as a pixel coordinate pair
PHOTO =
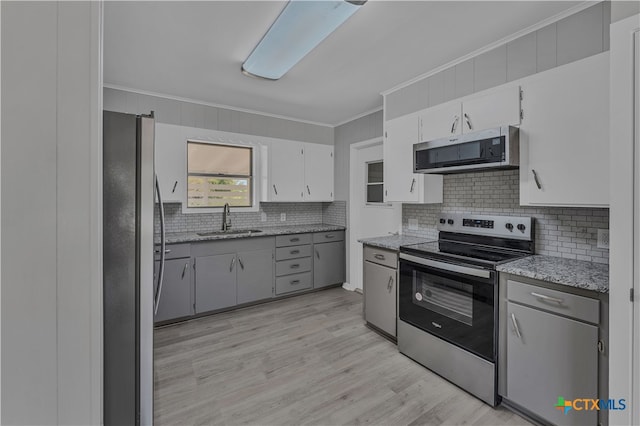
(445, 296)
(457, 307)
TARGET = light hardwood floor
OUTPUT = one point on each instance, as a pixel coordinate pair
(301, 361)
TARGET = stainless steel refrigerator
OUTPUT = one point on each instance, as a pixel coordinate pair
(128, 191)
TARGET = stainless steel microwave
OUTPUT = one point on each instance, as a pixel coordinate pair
(496, 148)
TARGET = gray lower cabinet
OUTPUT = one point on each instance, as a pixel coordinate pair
(175, 297)
(328, 264)
(380, 297)
(254, 278)
(550, 356)
(215, 282)
(552, 346)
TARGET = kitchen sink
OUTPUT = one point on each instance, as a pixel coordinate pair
(229, 232)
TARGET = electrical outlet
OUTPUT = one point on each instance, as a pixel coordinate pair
(283, 217)
(603, 238)
(263, 217)
(413, 224)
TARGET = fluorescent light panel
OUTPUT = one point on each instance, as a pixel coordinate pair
(301, 26)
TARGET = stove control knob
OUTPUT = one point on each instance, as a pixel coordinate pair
(450, 221)
(521, 227)
(442, 221)
(509, 226)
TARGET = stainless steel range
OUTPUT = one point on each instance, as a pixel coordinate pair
(448, 292)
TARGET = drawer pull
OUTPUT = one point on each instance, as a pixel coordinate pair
(549, 298)
(329, 236)
(379, 256)
(515, 325)
(295, 266)
(294, 282)
(294, 252)
(166, 251)
(294, 240)
(436, 325)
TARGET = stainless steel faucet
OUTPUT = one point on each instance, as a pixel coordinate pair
(226, 217)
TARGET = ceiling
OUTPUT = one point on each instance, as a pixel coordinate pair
(194, 50)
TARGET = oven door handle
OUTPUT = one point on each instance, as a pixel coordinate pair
(466, 270)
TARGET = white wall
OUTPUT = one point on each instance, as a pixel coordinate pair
(51, 213)
(623, 260)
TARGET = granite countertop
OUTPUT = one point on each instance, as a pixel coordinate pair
(392, 242)
(267, 231)
(573, 273)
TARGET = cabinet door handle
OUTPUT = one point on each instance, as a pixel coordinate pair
(515, 325)
(317, 254)
(294, 266)
(294, 252)
(549, 298)
(466, 116)
(454, 126)
(184, 271)
(233, 263)
(294, 282)
(308, 190)
(240, 262)
(390, 284)
(275, 189)
(379, 256)
(535, 178)
(174, 187)
(413, 183)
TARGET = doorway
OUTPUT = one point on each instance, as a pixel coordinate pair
(368, 216)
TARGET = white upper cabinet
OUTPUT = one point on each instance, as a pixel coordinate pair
(493, 108)
(400, 183)
(299, 171)
(497, 107)
(170, 162)
(286, 172)
(564, 135)
(440, 121)
(318, 172)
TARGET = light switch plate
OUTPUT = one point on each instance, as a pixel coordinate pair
(603, 238)
(263, 217)
(283, 217)
(413, 224)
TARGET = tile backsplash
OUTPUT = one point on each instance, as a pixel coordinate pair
(560, 231)
(296, 214)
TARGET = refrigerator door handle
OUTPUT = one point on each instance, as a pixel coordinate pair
(156, 300)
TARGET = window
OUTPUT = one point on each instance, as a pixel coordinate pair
(219, 174)
(375, 182)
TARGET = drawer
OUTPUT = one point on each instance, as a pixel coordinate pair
(293, 283)
(293, 252)
(571, 305)
(293, 266)
(173, 251)
(293, 240)
(381, 256)
(328, 237)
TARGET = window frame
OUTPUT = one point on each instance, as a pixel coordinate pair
(367, 184)
(253, 206)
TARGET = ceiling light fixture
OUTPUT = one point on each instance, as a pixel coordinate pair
(300, 27)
